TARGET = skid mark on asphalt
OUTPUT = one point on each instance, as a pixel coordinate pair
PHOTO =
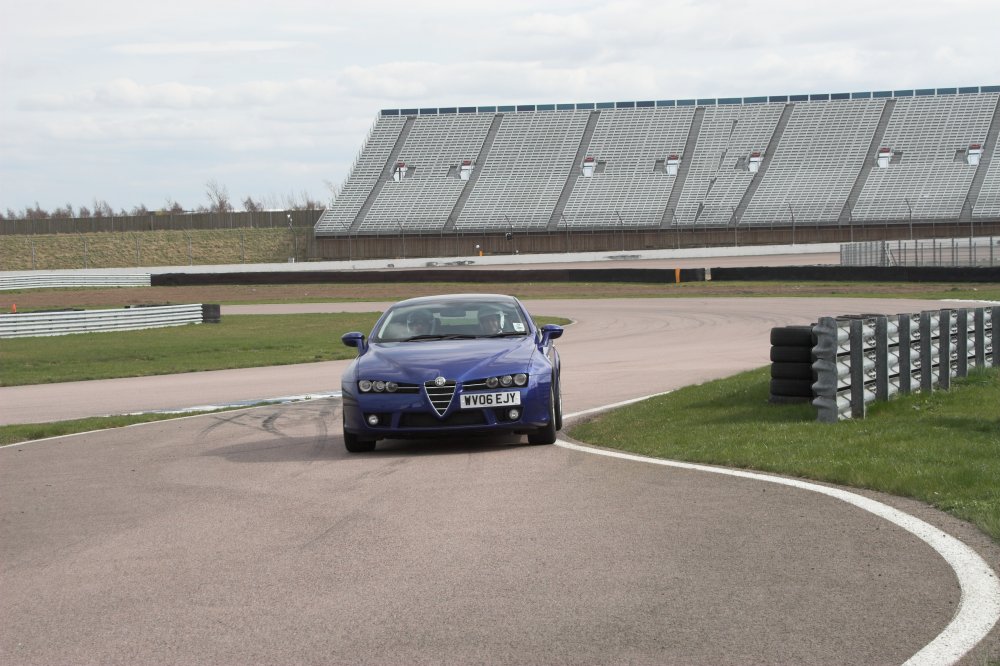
(979, 606)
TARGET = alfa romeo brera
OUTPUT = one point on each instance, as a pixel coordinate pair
(456, 365)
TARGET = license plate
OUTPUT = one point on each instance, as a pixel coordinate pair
(480, 400)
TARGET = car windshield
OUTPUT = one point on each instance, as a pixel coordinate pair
(451, 320)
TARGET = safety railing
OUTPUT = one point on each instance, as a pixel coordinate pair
(37, 324)
(69, 280)
(864, 358)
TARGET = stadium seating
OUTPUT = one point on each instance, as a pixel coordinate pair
(748, 162)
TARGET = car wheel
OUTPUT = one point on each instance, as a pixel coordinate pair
(546, 434)
(355, 445)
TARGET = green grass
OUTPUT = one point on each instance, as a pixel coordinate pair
(239, 341)
(942, 448)
(14, 434)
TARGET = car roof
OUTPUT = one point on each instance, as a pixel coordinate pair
(445, 298)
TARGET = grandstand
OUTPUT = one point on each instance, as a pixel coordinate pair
(901, 159)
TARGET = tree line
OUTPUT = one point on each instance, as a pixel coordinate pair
(218, 197)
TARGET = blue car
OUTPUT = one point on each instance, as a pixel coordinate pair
(452, 365)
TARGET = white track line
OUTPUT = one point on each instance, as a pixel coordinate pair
(979, 606)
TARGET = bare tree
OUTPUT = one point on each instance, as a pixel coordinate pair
(36, 213)
(251, 206)
(172, 206)
(140, 210)
(102, 208)
(84, 212)
(66, 212)
(218, 197)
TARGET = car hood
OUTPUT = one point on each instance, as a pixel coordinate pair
(418, 362)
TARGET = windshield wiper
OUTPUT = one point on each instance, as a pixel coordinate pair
(450, 336)
(503, 335)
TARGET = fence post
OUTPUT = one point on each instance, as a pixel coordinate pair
(857, 369)
(881, 357)
(944, 347)
(980, 322)
(926, 361)
(905, 364)
(962, 342)
(994, 326)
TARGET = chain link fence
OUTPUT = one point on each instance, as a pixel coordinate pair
(981, 251)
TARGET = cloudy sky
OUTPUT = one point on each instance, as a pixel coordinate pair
(145, 103)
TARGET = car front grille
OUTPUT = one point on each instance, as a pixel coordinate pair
(461, 418)
(440, 396)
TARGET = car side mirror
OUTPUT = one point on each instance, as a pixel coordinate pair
(550, 332)
(354, 339)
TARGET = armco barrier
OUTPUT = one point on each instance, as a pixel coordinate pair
(37, 324)
(865, 358)
(68, 280)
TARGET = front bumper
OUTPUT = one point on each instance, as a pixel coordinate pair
(405, 416)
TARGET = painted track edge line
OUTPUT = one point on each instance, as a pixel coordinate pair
(979, 605)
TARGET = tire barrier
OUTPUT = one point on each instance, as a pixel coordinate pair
(863, 358)
(857, 273)
(65, 322)
(792, 374)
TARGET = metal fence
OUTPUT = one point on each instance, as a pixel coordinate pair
(980, 251)
(874, 357)
(69, 280)
(37, 324)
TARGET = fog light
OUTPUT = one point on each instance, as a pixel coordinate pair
(373, 419)
(514, 414)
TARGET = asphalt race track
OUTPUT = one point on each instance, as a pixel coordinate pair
(252, 536)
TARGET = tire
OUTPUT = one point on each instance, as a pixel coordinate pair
(546, 434)
(787, 354)
(800, 371)
(792, 336)
(355, 445)
(792, 387)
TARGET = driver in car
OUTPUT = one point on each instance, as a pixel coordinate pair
(490, 320)
(419, 322)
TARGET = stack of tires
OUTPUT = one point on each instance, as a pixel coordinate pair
(792, 374)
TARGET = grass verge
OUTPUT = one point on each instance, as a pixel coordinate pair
(942, 448)
(239, 341)
(14, 434)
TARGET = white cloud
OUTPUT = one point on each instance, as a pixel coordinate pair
(97, 100)
(187, 48)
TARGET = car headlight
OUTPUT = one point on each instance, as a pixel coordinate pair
(520, 379)
(506, 380)
(492, 382)
(377, 386)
